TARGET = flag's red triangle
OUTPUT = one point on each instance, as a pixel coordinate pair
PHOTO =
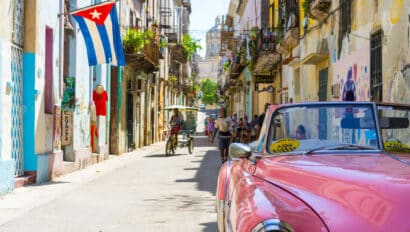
(98, 13)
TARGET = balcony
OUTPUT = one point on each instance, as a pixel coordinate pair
(282, 48)
(319, 9)
(179, 54)
(291, 38)
(147, 60)
(238, 65)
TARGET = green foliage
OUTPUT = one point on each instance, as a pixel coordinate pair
(162, 42)
(306, 7)
(68, 101)
(227, 65)
(190, 45)
(209, 91)
(135, 40)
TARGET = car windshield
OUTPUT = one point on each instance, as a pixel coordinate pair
(316, 127)
(395, 129)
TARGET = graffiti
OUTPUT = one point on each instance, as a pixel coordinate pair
(400, 86)
(349, 88)
(352, 76)
(68, 101)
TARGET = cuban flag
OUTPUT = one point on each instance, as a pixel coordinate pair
(100, 28)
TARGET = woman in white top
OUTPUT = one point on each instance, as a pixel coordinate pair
(223, 125)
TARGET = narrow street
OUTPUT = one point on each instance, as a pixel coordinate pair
(140, 191)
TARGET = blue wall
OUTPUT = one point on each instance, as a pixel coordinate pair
(30, 158)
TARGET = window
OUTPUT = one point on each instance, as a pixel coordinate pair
(345, 22)
(376, 78)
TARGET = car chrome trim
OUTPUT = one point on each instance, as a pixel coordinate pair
(273, 225)
(239, 150)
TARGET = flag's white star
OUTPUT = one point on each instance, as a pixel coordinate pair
(95, 14)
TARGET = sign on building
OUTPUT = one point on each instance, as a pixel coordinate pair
(67, 128)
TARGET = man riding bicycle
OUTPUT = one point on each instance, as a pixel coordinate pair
(176, 122)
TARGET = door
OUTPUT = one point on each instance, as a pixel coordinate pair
(130, 121)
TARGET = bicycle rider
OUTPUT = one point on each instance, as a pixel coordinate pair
(176, 122)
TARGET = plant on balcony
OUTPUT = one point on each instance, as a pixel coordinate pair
(172, 78)
(227, 65)
(190, 45)
(162, 42)
(306, 7)
(135, 40)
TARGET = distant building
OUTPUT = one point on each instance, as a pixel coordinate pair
(208, 67)
(213, 38)
(210, 64)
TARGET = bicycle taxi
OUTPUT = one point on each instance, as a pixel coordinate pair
(179, 135)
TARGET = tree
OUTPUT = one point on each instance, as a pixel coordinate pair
(190, 45)
(209, 91)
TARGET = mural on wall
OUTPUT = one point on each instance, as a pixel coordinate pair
(400, 86)
(352, 75)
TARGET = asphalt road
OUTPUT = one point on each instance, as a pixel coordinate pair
(140, 191)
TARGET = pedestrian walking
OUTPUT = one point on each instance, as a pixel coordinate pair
(222, 127)
(211, 127)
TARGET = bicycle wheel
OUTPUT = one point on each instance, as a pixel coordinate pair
(169, 148)
(191, 145)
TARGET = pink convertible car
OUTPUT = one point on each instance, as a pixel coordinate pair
(328, 166)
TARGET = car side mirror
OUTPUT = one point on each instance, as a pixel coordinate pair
(239, 150)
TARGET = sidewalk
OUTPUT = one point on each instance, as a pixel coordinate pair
(26, 198)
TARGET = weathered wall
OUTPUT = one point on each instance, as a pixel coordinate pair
(396, 57)
(82, 75)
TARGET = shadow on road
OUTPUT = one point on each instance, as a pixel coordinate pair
(48, 183)
(165, 156)
(210, 227)
(207, 174)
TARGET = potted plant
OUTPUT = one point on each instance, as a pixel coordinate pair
(134, 40)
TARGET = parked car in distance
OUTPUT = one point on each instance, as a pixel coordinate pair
(319, 167)
(202, 106)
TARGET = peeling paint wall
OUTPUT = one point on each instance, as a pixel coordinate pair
(82, 74)
(396, 45)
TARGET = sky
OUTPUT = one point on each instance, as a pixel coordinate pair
(203, 16)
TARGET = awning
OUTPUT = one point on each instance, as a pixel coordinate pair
(180, 108)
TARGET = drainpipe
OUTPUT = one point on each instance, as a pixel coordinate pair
(107, 119)
(119, 89)
(61, 51)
